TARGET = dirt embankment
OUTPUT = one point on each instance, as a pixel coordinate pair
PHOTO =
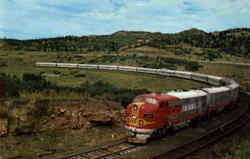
(46, 115)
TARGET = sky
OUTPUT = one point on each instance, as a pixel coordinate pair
(33, 19)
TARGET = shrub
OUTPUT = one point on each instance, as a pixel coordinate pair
(9, 86)
(79, 75)
(3, 112)
(31, 77)
(56, 72)
(192, 66)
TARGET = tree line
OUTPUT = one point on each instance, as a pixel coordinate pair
(233, 41)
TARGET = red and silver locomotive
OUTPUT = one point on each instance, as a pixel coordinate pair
(154, 114)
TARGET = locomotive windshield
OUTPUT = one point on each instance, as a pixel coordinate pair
(151, 100)
(138, 99)
(147, 99)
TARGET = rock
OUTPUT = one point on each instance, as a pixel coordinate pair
(60, 144)
(67, 113)
(81, 122)
(23, 122)
(62, 110)
(116, 116)
(61, 123)
(3, 127)
(52, 116)
(102, 118)
(87, 125)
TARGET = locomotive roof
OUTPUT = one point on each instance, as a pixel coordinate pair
(216, 89)
(188, 94)
(214, 77)
(183, 72)
(160, 97)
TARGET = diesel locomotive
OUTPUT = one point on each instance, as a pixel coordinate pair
(152, 115)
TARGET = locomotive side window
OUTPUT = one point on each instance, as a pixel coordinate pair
(175, 103)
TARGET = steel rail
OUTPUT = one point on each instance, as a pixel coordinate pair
(104, 152)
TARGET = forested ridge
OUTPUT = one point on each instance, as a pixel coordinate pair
(234, 41)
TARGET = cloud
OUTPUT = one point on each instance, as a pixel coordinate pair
(25, 19)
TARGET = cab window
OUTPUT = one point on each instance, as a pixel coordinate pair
(151, 100)
(138, 99)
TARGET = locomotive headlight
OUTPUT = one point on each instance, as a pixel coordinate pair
(135, 107)
(141, 123)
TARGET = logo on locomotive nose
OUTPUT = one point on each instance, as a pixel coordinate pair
(136, 107)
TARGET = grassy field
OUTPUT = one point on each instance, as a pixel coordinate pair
(237, 72)
(19, 63)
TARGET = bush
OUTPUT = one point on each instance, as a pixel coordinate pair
(78, 75)
(121, 95)
(12, 86)
(9, 86)
(3, 112)
(192, 66)
(33, 83)
(31, 77)
(3, 64)
(36, 83)
(56, 72)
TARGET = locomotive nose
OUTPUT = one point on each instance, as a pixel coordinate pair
(136, 109)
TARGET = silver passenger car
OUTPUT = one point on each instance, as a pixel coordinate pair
(193, 101)
(199, 77)
(108, 67)
(45, 64)
(218, 96)
(88, 66)
(127, 68)
(67, 65)
(214, 80)
(147, 70)
(183, 74)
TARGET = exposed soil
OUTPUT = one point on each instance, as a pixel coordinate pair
(63, 127)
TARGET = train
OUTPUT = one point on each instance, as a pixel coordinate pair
(153, 115)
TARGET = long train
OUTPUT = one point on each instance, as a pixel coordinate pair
(152, 115)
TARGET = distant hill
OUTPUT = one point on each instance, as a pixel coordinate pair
(234, 41)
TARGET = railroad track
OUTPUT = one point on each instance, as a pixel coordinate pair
(204, 140)
(106, 152)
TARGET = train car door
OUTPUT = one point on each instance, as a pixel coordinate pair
(163, 111)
